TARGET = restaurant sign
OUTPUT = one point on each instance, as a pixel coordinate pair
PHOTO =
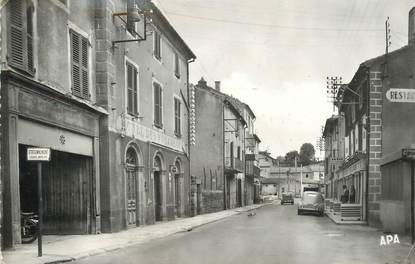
(401, 95)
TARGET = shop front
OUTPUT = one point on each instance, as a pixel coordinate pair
(353, 175)
(146, 178)
(37, 117)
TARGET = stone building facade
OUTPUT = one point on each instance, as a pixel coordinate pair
(114, 114)
(145, 138)
(218, 156)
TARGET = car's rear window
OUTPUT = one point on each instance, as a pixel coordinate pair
(312, 198)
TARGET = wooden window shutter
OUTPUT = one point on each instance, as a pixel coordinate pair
(84, 68)
(17, 33)
(177, 128)
(135, 91)
(75, 60)
(79, 61)
(29, 31)
(129, 89)
(157, 105)
(132, 104)
(21, 36)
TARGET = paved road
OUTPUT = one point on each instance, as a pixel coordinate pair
(276, 234)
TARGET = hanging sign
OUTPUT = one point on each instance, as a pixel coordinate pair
(38, 154)
(400, 95)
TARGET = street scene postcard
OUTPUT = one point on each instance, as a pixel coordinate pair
(207, 131)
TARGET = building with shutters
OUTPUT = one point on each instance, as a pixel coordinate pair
(48, 99)
(333, 135)
(218, 155)
(142, 80)
(114, 114)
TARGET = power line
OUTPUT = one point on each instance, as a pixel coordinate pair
(272, 25)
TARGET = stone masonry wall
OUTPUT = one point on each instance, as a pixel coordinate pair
(212, 201)
(375, 147)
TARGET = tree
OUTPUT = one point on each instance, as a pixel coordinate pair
(280, 159)
(290, 157)
(307, 153)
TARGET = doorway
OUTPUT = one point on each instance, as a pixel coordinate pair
(239, 193)
(177, 189)
(158, 187)
(67, 191)
(131, 161)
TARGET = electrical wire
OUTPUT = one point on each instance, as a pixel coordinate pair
(220, 20)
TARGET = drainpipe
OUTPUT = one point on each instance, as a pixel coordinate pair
(367, 146)
(188, 183)
(225, 184)
(412, 203)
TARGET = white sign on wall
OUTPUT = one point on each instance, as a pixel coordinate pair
(400, 95)
(38, 154)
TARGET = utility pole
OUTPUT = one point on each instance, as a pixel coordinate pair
(301, 181)
(333, 86)
(388, 43)
(295, 165)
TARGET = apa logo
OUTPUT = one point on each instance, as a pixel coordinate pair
(388, 239)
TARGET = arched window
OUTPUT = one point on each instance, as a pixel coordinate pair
(131, 157)
(178, 166)
(157, 164)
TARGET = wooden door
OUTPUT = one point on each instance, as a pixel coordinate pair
(177, 194)
(67, 194)
(157, 196)
(132, 176)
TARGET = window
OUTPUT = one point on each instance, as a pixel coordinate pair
(177, 117)
(132, 98)
(176, 65)
(238, 153)
(79, 65)
(21, 36)
(157, 45)
(158, 105)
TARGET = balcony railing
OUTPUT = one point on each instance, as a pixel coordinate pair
(234, 164)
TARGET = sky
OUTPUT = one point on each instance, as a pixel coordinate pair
(275, 55)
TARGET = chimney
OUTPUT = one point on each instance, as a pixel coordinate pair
(201, 82)
(411, 27)
(217, 85)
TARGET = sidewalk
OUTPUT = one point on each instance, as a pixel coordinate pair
(337, 219)
(57, 249)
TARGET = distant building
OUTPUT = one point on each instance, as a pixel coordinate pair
(265, 163)
(218, 156)
(333, 135)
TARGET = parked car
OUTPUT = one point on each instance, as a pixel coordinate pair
(311, 202)
(287, 198)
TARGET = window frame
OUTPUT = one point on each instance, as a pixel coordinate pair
(177, 132)
(160, 125)
(176, 64)
(24, 33)
(127, 62)
(155, 34)
(87, 37)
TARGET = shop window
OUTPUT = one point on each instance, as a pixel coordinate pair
(132, 89)
(158, 105)
(79, 65)
(21, 36)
